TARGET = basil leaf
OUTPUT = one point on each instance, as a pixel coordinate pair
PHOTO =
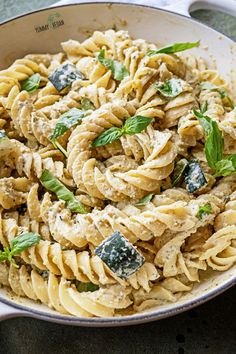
(171, 88)
(145, 200)
(118, 70)
(66, 121)
(226, 166)
(54, 185)
(5, 255)
(107, 137)
(86, 104)
(133, 125)
(174, 48)
(214, 144)
(204, 107)
(3, 134)
(136, 124)
(23, 242)
(223, 94)
(84, 287)
(32, 83)
(204, 210)
(178, 173)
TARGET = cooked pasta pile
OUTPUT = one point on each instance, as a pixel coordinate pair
(118, 158)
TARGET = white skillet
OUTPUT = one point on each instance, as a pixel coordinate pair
(33, 33)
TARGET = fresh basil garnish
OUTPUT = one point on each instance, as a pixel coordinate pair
(174, 48)
(84, 287)
(214, 144)
(214, 147)
(171, 88)
(18, 245)
(204, 210)
(145, 200)
(64, 123)
(133, 125)
(32, 83)
(226, 167)
(223, 94)
(178, 173)
(118, 70)
(54, 185)
(86, 104)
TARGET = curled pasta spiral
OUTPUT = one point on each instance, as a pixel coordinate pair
(215, 108)
(62, 296)
(228, 216)
(228, 126)
(13, 191)
(220, 249)
(168, 290)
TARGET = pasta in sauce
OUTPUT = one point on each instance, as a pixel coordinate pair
(180, 217)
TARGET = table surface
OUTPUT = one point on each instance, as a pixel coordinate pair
(208, 329)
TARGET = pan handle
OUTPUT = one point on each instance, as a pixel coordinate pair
(7, 312)
(183, 7)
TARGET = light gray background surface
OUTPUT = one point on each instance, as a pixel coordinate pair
(208, 329)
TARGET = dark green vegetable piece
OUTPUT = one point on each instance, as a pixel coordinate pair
(54, 185)
(120, 255)
(179, 171)
(204, 210)
(145, 200)
(84, 287)
(64, 123)
(118, 70)
(174, 48)
(171, 88)
(3, 134)
(32, 83)
(64, 75)
(133, 125)
(194, 176)
(18, 245)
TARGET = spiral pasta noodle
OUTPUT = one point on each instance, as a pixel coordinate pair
(105, 175)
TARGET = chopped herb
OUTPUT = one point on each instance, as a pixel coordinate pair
(226, 166)
(204, 210)
(64, 75)
(145, 200)
(85, 287)
(64, 123)
(54, 185)
(179, 171)
(171, 88)
(18, 245)
(194, 176)
(120, 255)
(133, 125)
(86, 104)
(32, 83)
(118, 70)
(174, 48)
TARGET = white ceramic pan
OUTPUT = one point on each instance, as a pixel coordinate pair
(34, 33)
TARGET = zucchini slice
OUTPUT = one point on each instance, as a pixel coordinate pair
(64, 75)
(120, 255)
(194, 176)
